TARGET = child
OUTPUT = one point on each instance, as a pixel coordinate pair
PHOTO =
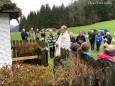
(107, 53)
(98, 40)
(74, 47)
(85, 50)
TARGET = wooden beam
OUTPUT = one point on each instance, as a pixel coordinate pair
(24, 58)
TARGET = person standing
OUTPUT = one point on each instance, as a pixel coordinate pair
(107, 38)
(98, 40)
(72, 38)
(80, 38)
(51, 42)
(63, 41)
(92, 39)
(32, 34)
(84, 33)
(24, 35)
(58, 34)
(43, 35)
(37, 34)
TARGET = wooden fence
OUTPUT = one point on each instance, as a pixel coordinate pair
(92, 72)
(30, 49)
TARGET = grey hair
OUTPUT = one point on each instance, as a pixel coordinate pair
(64, 26)
(50, 30)
(108, 33)
(23, 29)
(92, 31)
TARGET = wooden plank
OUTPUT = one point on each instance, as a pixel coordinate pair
(24, 58)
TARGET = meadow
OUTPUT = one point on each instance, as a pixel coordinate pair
(110, 25)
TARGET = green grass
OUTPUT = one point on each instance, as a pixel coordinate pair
(15, 36)
(110, 25)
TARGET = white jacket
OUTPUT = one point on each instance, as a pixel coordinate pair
(63, 42)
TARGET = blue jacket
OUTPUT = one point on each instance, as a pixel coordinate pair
(89, 55)
(98, 39)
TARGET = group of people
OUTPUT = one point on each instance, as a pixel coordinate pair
(79, 44)
(106, 52)
(93, 39)
(98, 39)
(56, 43)
(33, 35)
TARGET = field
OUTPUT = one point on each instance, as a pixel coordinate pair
(110, 25)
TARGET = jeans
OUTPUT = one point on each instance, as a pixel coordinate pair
(52, 51)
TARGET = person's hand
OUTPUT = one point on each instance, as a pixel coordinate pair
(57, 44)
(113, 58)
(70, 43)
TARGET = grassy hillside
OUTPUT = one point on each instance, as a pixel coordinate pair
(110, 25)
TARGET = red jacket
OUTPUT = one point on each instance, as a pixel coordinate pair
(104, 56)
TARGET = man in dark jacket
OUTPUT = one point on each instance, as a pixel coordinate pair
(107, 38)
(24, 35)
(80, 38)
(92, 39)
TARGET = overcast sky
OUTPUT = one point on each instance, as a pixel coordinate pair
(34, 5)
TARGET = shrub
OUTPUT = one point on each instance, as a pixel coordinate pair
(27, 49)
(25, 75)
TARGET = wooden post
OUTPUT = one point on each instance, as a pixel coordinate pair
(34, 41)
(17, 42)
(14, 48)
(44, 58)
(21, 42)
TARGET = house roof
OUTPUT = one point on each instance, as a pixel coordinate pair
(6, 6)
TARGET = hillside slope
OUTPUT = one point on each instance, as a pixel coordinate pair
(110, 25)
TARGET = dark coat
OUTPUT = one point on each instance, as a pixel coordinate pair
(72, 39)
(24, 35)
(80, 39)
(92, 38)
(43, 34)
(107, 39)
